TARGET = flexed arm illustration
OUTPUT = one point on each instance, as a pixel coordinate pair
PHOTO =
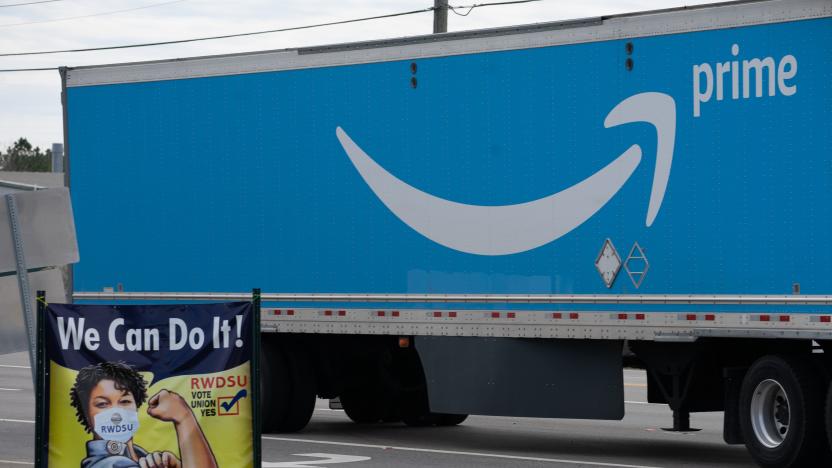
(193, 446)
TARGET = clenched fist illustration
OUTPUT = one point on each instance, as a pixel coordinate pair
(168, 406)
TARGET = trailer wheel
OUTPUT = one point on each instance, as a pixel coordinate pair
(274, 393)
(287, 384)
(780, 415)
(829, 415)
(450, 419)
(421, 420)
(365, 407)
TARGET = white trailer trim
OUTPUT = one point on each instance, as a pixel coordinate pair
(644, 299)
(645, 24)
(595, 325)
(575, 324)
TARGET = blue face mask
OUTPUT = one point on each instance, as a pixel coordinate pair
(117, 424)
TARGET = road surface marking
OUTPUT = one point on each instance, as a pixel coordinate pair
(323, 459)
(14, 367)
(11, 389)
(639, 385)
(17, 421)
(12, 462)
(455, 452)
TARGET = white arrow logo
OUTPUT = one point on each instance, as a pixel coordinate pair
(509, 229)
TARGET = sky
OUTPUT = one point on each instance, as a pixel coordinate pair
(30, 102)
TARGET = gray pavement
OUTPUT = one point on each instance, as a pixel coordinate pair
(332, 439)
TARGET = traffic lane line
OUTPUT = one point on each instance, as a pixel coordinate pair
(21, 421)
(456, 452)
(15, 462)
(10, 366)
(11, 389)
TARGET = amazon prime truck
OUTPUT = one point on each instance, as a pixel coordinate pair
(478, 222)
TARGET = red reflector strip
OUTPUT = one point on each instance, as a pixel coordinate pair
(622, 316)
(290, 312)
(452, 314)
(573, 316)
(395, 313)
(785, 318)
(639, 316)
(557, 315)
(495, 315)
(342, 313)
(437, 314)
(690, 317)
(710, 317)
(826, 319)
(380, 313)
(765, 318)
(511, 315)
(276, 312)
(327, 313)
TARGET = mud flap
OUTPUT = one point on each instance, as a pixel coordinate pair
(575, 379)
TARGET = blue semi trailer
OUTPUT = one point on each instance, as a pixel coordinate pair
(447, 225)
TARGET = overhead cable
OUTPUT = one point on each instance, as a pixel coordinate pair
(91, 15)
(228, 36)
(470, 8)
(211, 38)
(29, 3)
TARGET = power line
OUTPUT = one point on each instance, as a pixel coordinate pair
(255, 33)
(224, 36)
(103, 13)
(29, 3)
(477, 5)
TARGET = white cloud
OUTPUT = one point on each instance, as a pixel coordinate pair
(30, 102)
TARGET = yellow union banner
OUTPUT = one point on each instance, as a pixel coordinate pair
(135, 386)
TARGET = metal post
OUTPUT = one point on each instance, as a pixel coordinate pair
(41, 394)
(23, 282)
(440, 16)
(255, 381)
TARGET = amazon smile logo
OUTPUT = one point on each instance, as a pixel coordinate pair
(510, 229)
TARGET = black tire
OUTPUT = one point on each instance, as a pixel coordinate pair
(450, 419)
(364, 407)
(303, 392)
(791, 436)
(421, 420)
(829, 416)
(287, 388)
(274, 393)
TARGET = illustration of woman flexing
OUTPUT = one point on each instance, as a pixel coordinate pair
(106, 398)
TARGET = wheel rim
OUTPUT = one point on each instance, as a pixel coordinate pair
(770, 414)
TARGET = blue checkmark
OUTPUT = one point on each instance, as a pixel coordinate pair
(230, 404)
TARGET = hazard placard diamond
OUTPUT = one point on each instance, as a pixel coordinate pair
(608, 263)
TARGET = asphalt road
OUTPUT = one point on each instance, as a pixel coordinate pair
(332, 439)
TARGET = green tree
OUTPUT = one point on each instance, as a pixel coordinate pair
(22, 157)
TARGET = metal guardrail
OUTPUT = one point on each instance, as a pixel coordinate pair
(649, 299)
(19, 185)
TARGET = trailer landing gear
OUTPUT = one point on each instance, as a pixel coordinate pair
(681, 422)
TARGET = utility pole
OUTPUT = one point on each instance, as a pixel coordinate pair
(440, 16)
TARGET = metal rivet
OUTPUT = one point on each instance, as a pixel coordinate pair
(629, 64)
(629, 48)
(413, 82)
(413, 67)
